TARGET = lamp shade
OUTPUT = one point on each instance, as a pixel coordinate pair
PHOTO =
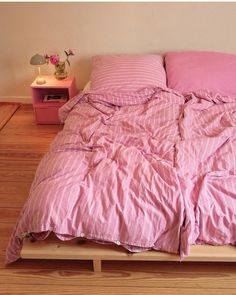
(37, 60)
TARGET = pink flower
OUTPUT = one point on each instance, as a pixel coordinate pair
(54, 59)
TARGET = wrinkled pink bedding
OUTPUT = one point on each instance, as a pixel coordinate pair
(206, 162)
(147, 170)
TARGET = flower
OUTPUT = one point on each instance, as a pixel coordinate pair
(54, 59)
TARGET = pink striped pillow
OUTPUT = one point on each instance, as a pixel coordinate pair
(127, 72)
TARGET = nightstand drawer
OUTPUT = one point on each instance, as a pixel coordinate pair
(47, 115)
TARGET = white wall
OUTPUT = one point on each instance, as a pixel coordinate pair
(99, 28)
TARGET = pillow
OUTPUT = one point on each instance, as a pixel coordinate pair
(194, 71)
(127, 72)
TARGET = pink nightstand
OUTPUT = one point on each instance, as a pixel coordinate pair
(47, 112)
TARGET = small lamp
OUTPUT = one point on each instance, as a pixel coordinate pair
(38, 60)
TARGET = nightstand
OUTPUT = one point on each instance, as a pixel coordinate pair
(46, 112)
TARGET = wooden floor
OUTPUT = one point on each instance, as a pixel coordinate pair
(22, 144)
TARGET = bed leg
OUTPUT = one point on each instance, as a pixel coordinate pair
(97, 265)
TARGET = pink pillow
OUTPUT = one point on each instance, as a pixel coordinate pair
(127, 72)
(194, 71)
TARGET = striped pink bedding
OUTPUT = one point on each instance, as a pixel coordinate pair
(144, 170)
(206, 165)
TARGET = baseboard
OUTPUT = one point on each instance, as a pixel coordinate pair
(22, 99)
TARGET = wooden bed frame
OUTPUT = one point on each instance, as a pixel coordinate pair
(76, 249)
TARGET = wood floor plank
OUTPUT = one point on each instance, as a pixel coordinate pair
(11, 189)
(82, 290)
(9, 215)
(5, 233)
(6, 112)
(5, 229)
(25, 143)
(16, 175)
(163, 278)
(13, 200)
(23, 166)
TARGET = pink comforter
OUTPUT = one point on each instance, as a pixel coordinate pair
(142, 170)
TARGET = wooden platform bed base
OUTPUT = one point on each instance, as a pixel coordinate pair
(76, 249)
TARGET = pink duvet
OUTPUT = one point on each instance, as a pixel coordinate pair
(146, 170)
(206, 165)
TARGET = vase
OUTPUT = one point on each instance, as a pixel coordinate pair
(60, 72)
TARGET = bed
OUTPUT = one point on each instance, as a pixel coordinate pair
(144, 168)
